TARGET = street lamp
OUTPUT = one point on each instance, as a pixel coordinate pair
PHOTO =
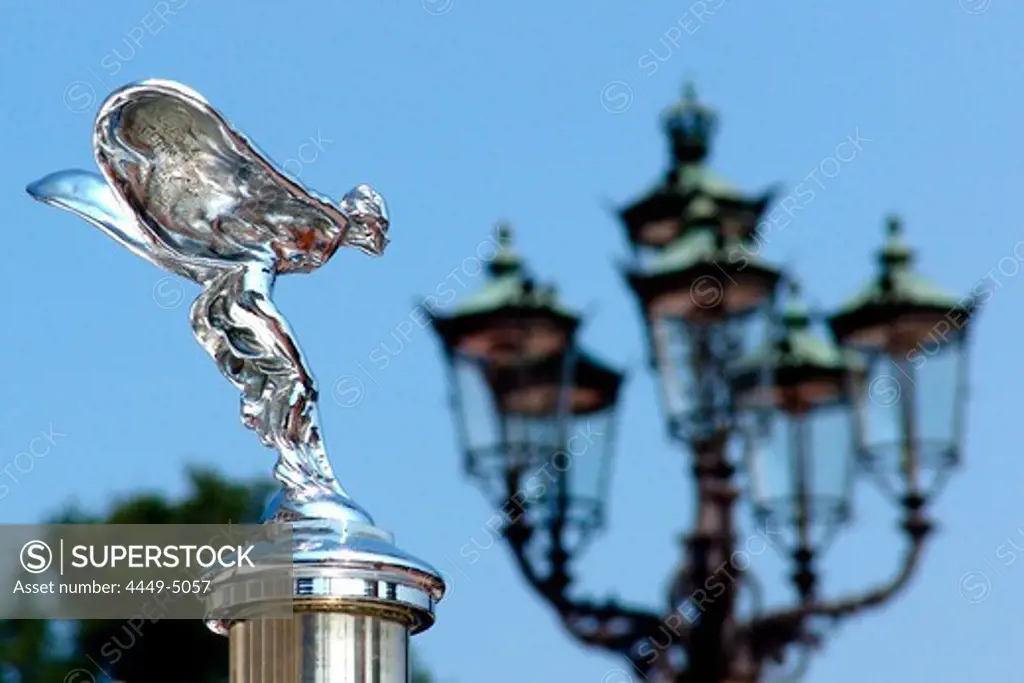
(733, 368)
(535, 417)
(704, 296)
(509, 322)
(801, 394)
(915, 335)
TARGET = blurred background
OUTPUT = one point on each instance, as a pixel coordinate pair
(465, 115)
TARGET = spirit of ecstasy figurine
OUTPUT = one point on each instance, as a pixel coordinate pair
(182, 188)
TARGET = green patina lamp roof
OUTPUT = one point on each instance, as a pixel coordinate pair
(897, 283)
(700, 246)
(687, 181)
(507, 283)
(698, 179)
(702, 210)
(704, 254)
(799, 348)
(510, 290)
(509, 293)
(510, 285)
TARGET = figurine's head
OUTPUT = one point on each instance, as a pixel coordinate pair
(367, 216)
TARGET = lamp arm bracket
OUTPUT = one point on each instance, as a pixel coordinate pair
(609, 625)
(789, 623)
(621, 629)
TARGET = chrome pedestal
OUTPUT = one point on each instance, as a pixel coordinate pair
(344, 612)
(320, 648)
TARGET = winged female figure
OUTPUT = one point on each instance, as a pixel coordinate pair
(182, 188)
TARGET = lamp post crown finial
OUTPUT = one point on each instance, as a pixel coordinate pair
(505, 234)
(896, 252)
(689, 92)
(690, 126)
(506, 260)
(893, 224)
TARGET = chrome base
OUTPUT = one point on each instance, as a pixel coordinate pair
(336, 561)
(319, 648)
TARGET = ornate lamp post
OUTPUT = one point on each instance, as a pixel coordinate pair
(744, 382)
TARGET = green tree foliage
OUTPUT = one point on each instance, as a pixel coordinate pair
(167, 651)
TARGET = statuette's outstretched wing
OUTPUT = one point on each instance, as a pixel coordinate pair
(88, 195)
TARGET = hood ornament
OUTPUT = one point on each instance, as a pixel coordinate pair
(182, 188)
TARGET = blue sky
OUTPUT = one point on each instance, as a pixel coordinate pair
(543, 114)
